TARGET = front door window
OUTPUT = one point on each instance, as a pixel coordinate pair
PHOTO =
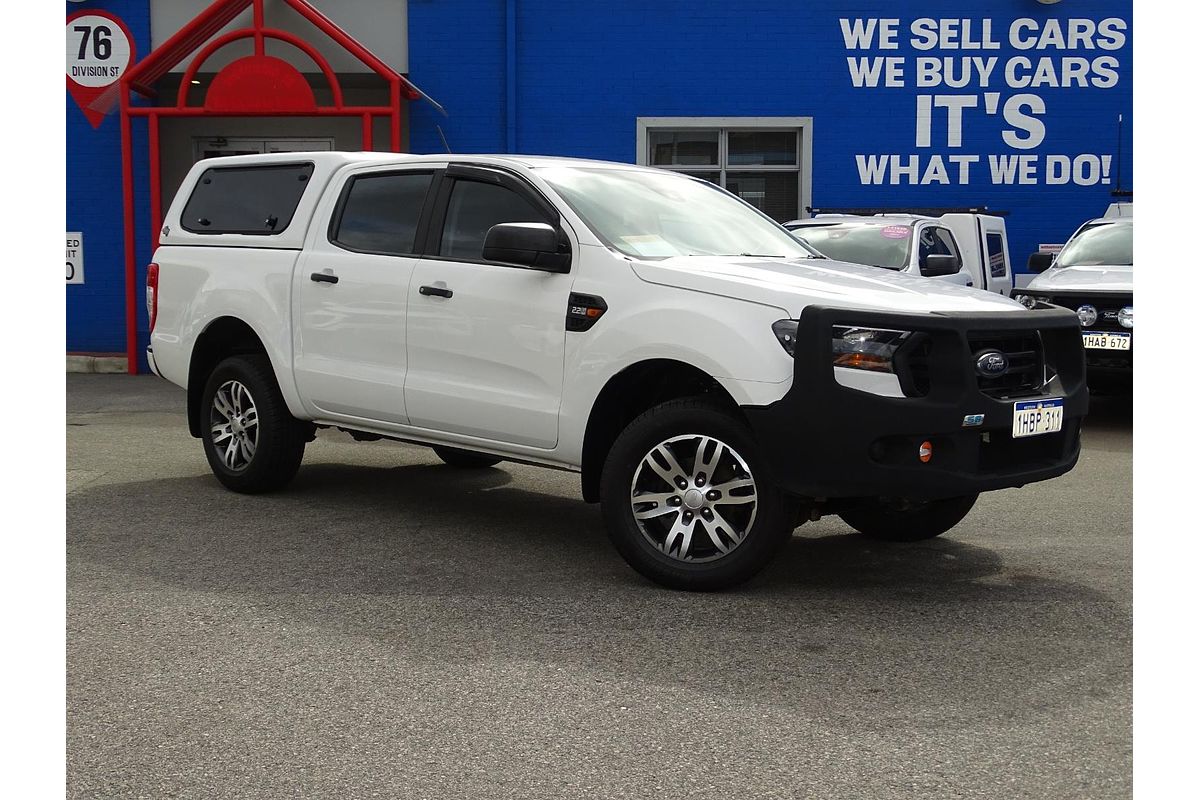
(474, 208)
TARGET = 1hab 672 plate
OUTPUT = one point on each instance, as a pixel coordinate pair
(1107, 340)
(1035, 417)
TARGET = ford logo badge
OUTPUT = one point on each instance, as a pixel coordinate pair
(991, 363)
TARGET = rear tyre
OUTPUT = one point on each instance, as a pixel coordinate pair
(687, 500)
(901, 521)
(465, 459)
(252, 442)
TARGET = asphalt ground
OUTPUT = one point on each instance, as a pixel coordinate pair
(390, 627)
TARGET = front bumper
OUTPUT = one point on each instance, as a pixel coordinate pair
(1110, 363)
(1102, 364)
(826, 440)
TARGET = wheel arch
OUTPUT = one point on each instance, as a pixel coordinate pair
(632, 391)
(221, 338)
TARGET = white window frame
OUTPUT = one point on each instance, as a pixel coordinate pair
(801, 125)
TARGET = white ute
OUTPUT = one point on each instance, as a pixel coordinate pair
(714, 381)
(970, 249)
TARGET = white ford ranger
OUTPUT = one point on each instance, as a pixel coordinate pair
(713, 380)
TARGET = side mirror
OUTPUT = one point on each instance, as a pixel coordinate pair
(1040, 262)
(933, 265)
(530, 244)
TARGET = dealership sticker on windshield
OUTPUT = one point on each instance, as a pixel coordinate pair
(896, 232)
(1035, 417)
(651, 246)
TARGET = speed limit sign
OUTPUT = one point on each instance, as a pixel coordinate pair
(99, 51)
(74, 257)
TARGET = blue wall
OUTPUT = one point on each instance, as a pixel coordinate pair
(96, 309)
(585, 71)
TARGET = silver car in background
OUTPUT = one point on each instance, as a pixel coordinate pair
(1093, 276)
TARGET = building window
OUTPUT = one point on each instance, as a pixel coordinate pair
(762, 160)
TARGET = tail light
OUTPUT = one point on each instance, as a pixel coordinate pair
(152, 293)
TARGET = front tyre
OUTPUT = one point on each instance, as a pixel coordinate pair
(906, 521)
(687, 500)
(252, 442)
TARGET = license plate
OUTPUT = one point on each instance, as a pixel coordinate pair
(1106, 340)
(1035, 417)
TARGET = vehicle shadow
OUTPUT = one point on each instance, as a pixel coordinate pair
(449, 565)
(1110, 413)
(438, 530)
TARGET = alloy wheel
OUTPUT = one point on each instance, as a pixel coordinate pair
(233, 422)
(694, 498)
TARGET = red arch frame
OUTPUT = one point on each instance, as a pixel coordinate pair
(267, 33)
(194, 36)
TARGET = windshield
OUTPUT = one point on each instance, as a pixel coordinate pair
(660, 215)
(1104, 243)
(859, 243)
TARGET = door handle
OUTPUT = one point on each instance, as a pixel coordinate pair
(436, 291)
(323, 277)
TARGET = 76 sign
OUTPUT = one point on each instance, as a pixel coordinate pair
(99, 51)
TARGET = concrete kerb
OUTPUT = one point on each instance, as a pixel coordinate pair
(89, 362)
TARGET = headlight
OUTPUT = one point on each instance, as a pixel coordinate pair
(866, 348)
(1125, 316)
(1087, 315)
(1026, 300)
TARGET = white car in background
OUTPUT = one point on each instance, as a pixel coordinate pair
(1093, 276)
(969, 249)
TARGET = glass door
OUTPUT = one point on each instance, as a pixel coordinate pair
(218, 146)
(296, 145)
(214, 147)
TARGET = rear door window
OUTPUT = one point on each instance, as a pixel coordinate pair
(380, 213)
(258, 199)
